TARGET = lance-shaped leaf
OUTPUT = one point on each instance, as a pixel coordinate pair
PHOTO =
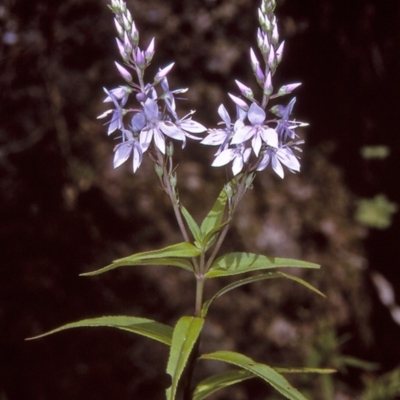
(210, 236)
(185, 335)
(219, 381)
(194, 228)
(214, 217)
(263, 371)
(227, 378)
(172, 255)
(251, 279)
(141, 326)
(239, 263)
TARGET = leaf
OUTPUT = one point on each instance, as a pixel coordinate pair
(251, 279)
(263, 371)
(194, 228)
(185, 335)
(141, 326)
(305, 370)
(220, 381)
(171, 255)
(239, 263)
(210, 237)
(214, 217)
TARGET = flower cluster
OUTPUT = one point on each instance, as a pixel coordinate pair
(150, 126)
(252, 141)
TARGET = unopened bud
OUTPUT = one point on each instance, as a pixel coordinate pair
(141, 97)
(120, 29)
(229, 190)
(126, 23)
(124, 73)
(134, 35)
(279, 53)
(275, 35)
(128, 16)
(139, 59)
(170, 149)
(173, 180)
(249, 180)
(159, 170)
(149, 53)
(268, 88)
(272, 63)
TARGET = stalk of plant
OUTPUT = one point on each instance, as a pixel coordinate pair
(251, 141)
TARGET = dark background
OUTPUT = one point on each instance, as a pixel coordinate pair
(64, 210)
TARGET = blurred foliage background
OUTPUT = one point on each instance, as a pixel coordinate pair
(64, 210)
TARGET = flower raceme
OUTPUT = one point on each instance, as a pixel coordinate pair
(251, 143)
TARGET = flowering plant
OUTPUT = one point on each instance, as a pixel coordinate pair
(251, 141)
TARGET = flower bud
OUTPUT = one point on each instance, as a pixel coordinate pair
(139, 59)
(170, 149)
(249, 180)
(128, 16)
(279, 53)
(127, 44)
(272, 63)
(124, 73)
(268, 88)
(134, 35)
(121, 50)
(245, 90)
(120, 29)
(275, 35)
(173, 180)
(260, 77)
(229, 190)
(126, 23)
(149, 53)
(163, 73)
(159, 170)
(141, 97)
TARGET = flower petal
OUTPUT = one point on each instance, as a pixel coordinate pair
(192, 126)
(223, 113)
(270, 137)
(276, 166)
(137, 156)
(256, 143)
(224, 158)
(146, 135)
(171, 130)
(159, 140)
(122, 153)
(256, 114)
(242, 134)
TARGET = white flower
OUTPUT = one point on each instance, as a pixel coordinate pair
(257, 131)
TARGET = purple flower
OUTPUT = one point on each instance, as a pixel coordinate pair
(277, 157)
(257, 131)
(123, 150)
(239, 155)
(117, 114)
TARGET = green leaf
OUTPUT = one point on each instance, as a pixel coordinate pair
(210, 236)
(251, 279)
(304, 370)
(214, 217)
(227, 378)
(263, 371)
(194, 228)
(171, 255)
(239, 263)
(141, 326)
(185, 335)
(220, 381)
